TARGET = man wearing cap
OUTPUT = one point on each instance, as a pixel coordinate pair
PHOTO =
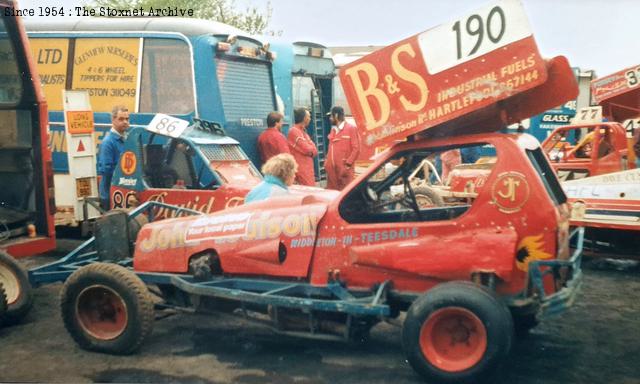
(302, 147)
(344, 147)
(272, 142)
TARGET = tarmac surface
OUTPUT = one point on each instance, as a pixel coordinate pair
(596, 341)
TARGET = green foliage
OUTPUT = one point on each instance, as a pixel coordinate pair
(252, 20)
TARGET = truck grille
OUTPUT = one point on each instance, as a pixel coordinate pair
(217, 152)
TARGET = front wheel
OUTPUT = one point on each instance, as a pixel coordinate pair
(457, 332)
(107, 308)
(17, 288)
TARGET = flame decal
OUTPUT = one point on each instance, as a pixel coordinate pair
(530, 248)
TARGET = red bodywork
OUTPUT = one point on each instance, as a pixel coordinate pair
(607, 152)
(319, 242)
(618, 94)
(518, 215)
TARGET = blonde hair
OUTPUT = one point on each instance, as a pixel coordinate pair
(282, 166)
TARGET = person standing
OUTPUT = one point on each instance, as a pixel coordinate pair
(302, 147)
(110, 150)
(272, 142)
(344, 147)
(450, 159)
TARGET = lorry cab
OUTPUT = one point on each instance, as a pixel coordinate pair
(197, 167)
(579, 151)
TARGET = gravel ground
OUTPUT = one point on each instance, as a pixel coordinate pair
(596, 341)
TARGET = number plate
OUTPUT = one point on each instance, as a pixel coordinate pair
(588, 115)
(79, 122)
(631, 125)
(83, 187)
(167, 125)
(474, 35)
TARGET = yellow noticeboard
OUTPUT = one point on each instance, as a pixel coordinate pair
(79, 122)
(51, 56)
(108, 70)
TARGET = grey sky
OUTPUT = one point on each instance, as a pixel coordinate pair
(593, 34)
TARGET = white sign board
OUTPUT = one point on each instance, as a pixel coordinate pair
(631, 125)
(588, 115)
(167, 125)
(82, 180)
(474, 35)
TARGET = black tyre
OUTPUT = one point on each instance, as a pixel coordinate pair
(3, 303)
(107, 308)
(523, 324)
(17, 289)
(457, 332)
(427, 197)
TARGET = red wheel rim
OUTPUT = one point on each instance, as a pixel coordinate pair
(101, 312)
(453, 339)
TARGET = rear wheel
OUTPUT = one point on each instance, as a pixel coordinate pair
(17, 288)
(107, 308)
(457, 332)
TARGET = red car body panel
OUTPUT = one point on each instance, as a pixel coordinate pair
(319, 243)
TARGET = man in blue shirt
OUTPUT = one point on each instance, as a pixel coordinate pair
(110, 150)
(279, 173)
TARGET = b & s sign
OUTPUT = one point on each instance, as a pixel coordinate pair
(443, 73)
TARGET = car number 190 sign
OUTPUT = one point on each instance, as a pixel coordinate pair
(443, 73)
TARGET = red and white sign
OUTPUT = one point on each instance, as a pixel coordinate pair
(615, 84)
(443, 73)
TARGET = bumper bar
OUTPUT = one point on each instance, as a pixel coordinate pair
(562, 299)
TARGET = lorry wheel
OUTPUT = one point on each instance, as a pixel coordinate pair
(457, 332)
(3, 303)
(427, 197)
(17, 289)
(107, 308)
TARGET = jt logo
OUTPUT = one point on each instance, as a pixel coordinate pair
(510, 184)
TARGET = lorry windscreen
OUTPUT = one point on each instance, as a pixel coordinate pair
(549, 179)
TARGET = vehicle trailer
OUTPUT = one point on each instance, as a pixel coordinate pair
(334, 264)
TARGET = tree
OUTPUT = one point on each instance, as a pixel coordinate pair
(252, 20)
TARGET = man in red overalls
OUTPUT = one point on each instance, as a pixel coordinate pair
(344, 147)
(302, 147)
(272, 142)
